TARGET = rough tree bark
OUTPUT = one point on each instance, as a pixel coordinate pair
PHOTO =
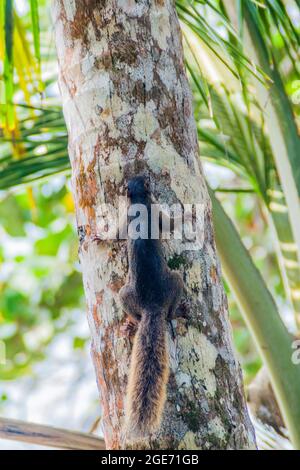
(128, 110)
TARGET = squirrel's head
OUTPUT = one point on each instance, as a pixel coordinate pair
(138, 188)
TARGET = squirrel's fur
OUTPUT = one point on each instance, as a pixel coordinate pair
(148, 376)
(151, 295)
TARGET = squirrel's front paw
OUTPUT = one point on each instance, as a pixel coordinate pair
(182, 311)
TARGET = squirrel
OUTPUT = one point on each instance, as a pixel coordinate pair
(151, 296)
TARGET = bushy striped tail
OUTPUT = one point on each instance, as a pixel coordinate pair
(148, 377)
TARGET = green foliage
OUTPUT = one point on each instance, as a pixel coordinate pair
(234, 132)
(260, 311)
(43, 141)
(192, 14)
(40, 284)
(8, 61)
(20, 61)
(36, 29)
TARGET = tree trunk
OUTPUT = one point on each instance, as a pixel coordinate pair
(128, 110)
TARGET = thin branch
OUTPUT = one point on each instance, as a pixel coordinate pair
(48, 436)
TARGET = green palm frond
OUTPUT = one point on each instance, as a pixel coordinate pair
(277, 28)
(44, 148)
(230, 136)
(262, 317)
(8, 65)
(230, 53)
(35, 29)
(260, 29)
(19, 61)
(233, 129)
(234, 140)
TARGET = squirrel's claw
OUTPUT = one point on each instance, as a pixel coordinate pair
(129, 328)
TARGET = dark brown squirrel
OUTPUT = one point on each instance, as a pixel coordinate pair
(151, 296)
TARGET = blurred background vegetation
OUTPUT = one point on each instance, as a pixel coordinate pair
(42, 309)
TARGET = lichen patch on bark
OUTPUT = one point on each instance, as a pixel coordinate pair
(160, 26)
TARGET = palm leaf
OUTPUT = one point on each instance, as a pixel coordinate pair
(228, 52)
(283, 134)
(36, 35)
(16, 56)
(44, 141)
(262, 317)
(8, 63)
(35, 28)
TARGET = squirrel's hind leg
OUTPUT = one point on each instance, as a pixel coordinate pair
(130, 307)
(175, 293)
(129, 302)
